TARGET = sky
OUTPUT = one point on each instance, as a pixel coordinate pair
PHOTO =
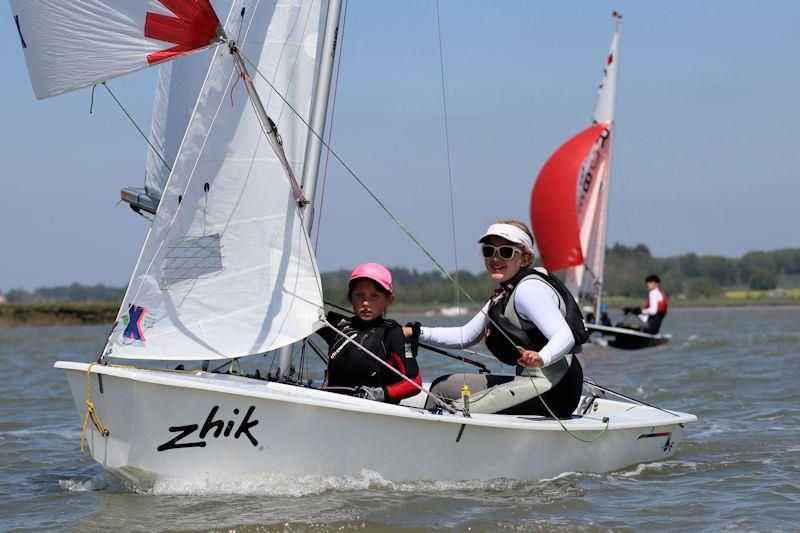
(706, 153)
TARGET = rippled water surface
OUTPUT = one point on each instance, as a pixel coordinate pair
(738, 467)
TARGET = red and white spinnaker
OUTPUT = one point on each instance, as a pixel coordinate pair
(569, 202)
(71, 44)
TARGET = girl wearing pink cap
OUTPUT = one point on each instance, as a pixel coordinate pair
(351, 370)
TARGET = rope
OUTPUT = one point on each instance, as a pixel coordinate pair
(390, 367)
(155, 151)
(560, 423)
(91, 413)
(606, 389)
(360, 181)
(465, 392)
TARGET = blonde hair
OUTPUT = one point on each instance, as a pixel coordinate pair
(520, 225)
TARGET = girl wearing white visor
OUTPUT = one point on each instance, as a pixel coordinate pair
(532, 323)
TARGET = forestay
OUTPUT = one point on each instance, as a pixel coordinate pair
(227, 269)
(70, 44)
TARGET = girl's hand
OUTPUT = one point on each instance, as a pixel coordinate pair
(529, 358)
(412, 330)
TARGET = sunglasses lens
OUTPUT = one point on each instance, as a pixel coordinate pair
(506, 252)
(488, 251)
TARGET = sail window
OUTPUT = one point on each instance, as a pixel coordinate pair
(191, 258)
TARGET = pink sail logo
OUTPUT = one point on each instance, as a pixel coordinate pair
(133, 323)
(194, 26)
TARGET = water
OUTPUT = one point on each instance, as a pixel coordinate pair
(738, 467)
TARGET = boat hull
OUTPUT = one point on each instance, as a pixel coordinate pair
(627, 339)
(173, 425)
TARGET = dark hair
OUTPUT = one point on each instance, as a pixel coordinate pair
(378, 286)
(653, 278)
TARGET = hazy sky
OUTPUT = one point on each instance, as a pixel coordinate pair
(707, 145)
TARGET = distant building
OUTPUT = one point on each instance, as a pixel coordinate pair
(3, 298)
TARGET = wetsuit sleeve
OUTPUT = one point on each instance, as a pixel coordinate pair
(653, 297)
(403, 361)
(467, 335)
(536, 301)
(327, 334)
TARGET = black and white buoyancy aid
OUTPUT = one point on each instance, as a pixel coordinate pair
(503, 316)
(349, 366)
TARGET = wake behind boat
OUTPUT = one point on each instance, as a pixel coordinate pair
(227, 271)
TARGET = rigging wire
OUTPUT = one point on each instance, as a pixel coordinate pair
(449, 169)
(407, 232)
(146, 138)
(330, 127)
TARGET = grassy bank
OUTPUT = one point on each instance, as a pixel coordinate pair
(51, 314)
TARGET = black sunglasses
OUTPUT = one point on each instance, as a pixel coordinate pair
(505, 251)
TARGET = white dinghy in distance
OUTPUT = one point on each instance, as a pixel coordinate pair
(227, 271)
(569, 208)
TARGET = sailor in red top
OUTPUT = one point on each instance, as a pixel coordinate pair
(656, 308)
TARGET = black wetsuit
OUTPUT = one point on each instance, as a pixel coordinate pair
(350, 367)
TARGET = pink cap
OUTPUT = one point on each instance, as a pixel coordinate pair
(376, 272)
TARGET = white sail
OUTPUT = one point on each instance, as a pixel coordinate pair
(70, 44)
(585, 281)
(227, 269)
(178, 86)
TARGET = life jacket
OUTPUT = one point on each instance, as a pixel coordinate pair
(661, 309)
(503, 316)
(349, 366)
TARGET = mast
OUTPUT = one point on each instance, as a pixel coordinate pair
(314, 149)
(319, 112)
(601, 232)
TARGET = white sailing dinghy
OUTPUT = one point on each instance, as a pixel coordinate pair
(569, 209)
(227, 271)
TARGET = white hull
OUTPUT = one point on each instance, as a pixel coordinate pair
(302, 431)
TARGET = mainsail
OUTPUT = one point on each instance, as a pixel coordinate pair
(227, 269)
(569, 202)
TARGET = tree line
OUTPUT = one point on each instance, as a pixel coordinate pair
(626, 267)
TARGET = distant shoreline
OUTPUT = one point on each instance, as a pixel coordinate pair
(91, 313)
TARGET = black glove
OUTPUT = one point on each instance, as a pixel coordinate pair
(416, 328)
(371, 393)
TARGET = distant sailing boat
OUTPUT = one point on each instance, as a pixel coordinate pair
(227, 271)
(569, 208)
